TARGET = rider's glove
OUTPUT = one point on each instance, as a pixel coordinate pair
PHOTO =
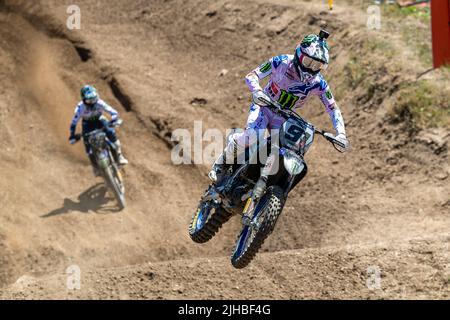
(341, 137)
(72, 139)
(259, 97)
(116, 122)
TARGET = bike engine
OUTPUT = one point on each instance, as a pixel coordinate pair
(237, 193)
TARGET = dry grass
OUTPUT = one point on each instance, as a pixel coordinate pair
(423, 104)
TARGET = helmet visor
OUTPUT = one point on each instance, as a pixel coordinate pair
(312, 64)
(90, 101)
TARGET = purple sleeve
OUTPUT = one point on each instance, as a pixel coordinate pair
(327, 98)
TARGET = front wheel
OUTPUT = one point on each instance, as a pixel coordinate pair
(263, 221)
(207, 221)
(114, 181)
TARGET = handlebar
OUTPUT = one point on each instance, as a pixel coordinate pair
(277, 108)
(111, 124)
(335, 142)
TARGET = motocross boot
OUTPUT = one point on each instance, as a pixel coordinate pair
(222, 163)
(121, 159)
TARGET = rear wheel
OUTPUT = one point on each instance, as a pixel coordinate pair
(207, 221)
(114, 180)
(264, 218)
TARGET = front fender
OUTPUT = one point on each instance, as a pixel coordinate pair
(103, 159)
(294, 180)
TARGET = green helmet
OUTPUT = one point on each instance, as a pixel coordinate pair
(89, 95)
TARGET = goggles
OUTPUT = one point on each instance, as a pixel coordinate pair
(90, 101)
(312, 64)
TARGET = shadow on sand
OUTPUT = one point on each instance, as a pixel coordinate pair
(93, 199)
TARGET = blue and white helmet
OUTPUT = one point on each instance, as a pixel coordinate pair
(89, 95)
(312, 55)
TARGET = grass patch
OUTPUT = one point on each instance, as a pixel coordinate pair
(414, 27)
(375, 59)
(423, 104)
(446, 68)
(422, 13)
(420, 40)
(383, 47)
(372, 55)
(355, 72)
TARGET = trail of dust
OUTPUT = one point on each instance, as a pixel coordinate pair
(53, 212)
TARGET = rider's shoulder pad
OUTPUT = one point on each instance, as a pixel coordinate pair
(101, 102)
(79, 106)
(278, 60)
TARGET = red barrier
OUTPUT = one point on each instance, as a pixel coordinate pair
(440, 28)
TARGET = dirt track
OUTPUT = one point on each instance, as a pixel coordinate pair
(386, 204)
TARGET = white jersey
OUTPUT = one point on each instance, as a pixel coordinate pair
(93, 113)
(286, 87)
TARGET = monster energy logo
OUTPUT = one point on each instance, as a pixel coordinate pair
(287, 100)
(328, 95)
(265, 67)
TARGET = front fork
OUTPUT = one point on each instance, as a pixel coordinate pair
(259, 190)
(247, 213)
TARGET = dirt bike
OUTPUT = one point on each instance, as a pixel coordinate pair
(107, 162)
(235, 193)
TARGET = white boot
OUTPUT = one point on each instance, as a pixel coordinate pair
(122, 160)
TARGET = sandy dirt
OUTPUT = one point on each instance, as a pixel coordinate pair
(385, 205)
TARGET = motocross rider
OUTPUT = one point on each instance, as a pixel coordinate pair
(293, 79)
(91, 109)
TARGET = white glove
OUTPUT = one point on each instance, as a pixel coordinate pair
(343, 139)
(72, 141)
(259, 96)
